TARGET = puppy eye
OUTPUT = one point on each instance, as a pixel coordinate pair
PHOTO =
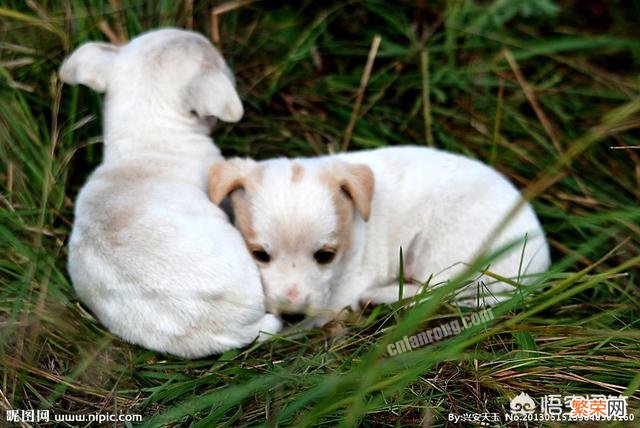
(324, 257)
(261, 255)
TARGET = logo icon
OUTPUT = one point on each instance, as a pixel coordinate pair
(522, 404)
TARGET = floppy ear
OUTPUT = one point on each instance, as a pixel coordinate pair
(213, 93)
(89, 65)
(227, 176)
(357, 183)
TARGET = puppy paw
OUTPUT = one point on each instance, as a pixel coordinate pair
(268, 326)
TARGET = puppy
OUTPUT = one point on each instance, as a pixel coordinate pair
(326, 232)
(149, 254)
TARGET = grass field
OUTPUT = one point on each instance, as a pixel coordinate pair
(544, 90)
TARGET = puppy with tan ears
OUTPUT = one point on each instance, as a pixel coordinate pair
(326, 232)
(149, 254)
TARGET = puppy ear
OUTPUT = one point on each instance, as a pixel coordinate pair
(357, 182)
(89, 65)
(213, 94)
(227, 176)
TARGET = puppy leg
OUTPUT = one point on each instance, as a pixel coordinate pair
(413, 254)
(387, 294)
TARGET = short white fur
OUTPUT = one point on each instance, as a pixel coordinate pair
(149, 254)
(439, 207)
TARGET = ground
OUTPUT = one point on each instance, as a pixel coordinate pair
(546, 91)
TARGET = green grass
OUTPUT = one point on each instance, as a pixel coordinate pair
(445, 72)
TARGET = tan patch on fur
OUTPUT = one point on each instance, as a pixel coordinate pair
(243, 219)
(356, 180)
(125, 175)
(117, 223)
(359, 183)
(117, 215)
(297, 171)
(344, 212)
(351, 187)
(227, 177)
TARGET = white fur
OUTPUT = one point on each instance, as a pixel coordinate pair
(439, 207)
(153, 258)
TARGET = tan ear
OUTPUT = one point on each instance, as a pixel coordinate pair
(227, 176)
(357, 182)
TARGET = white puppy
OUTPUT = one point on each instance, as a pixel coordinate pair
(326, 231)
(153, 258)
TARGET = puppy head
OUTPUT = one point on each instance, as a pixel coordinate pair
(169, 68)
(296, 217)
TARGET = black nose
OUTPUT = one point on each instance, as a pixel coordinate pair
(292, 318)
